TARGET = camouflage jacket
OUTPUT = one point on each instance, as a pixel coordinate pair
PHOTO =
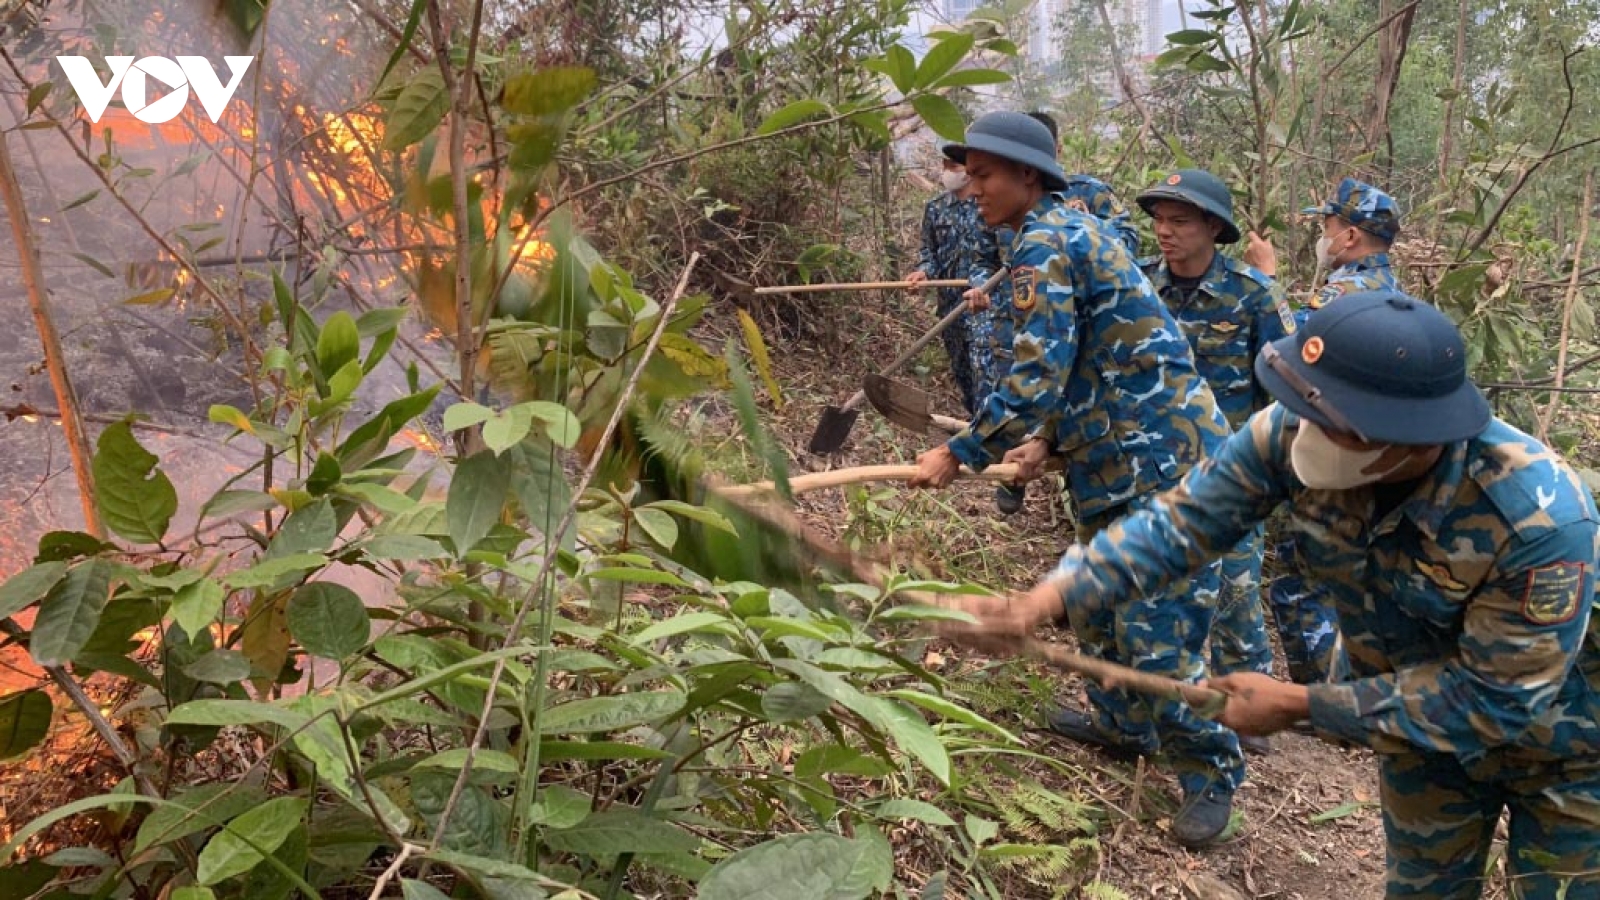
(951, 231)
(1465, 609)
(1369, 273)
(1100, 365)
(1234, 312)
(1083, 193)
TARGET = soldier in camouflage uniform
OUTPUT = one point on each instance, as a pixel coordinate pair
(1358, 225)
(1229, 311)
(1081, 192)
(951, 234)
(1103, 378)
(1461, 554)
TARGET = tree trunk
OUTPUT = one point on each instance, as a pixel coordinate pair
(1392, 44)
(1447, 132)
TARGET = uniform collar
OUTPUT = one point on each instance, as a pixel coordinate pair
(1209, 282)
(1378, 260)
(1435, 494)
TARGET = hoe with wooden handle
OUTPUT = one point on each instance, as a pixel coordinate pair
(836, 421)
(906, 406)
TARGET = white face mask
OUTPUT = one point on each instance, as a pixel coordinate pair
(1325, 252)
(1323, 465)
(954, 181)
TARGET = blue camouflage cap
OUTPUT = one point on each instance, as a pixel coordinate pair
(1363, 206)
(1017, 137)
(1385, 366)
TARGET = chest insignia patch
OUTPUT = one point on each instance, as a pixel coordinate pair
(1023, 293)
(1224, 327)
(1553, 593)
(1439, 575)
(1286, 317)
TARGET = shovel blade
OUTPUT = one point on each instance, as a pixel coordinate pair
(832, 429)
(901, 404)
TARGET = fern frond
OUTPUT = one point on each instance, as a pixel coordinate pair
(671, 444)
(1099, 890)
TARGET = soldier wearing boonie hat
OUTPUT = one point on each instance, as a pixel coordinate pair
(1358, 223)
(1461, 555)
(1228, 310)
(1103, 377)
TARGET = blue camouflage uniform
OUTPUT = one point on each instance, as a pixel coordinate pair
(1083, 193)
(1228, 317)
(1466, 612)
(1101, 366)
(951, 230)
(1307, 625)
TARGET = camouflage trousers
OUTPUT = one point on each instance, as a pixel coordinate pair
(1439, 818)
(1239, 641)
(1308, 624)
(969, 345)
(1164, 634)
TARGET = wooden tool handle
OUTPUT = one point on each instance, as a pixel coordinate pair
(950, 318)
(817, 481)
(862, 286)
(1206, 702)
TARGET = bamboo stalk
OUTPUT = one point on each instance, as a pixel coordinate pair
(864, 286)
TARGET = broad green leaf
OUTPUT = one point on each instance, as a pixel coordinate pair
(466, 415)
(240, 846)
(505, 430)
(614, 713)
(954, 712)
(173, 581)
(826, 759)
(268, 571)
(229, 503)
(684, 623)
(69, 613)
(560, 425)
(908, 730)
(329, 620)
(374, 322)
(135, 497)
(311, 529)
(757, 347)
(485, 759)
(907, 808)
(24, 722)
(942, 57)
(193, 893)
(411, 889)
(660, 526)
(194, 811)
(981, 830)
(792, 700)
(325, 475)
(417, 111)
(25, 588)
(66, 546)
(630, 575)
(920, 613)
(941, 115)
(1192, 37)
(913, 735)
(972, 78)
(219, 667)
(151, 298)
(902, 68)
(386, 500)
(548, 91)
(196, 606)
(793, 114)
(560, 806)
(701, 514)
(1205, 62)
(477, 496)
(236, 712)
(404, 547)
(37, 93)
(814, 866)
(339, 342)
(609, 833)
(784, 626)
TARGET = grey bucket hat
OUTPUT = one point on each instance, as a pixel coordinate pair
(1198, 188)
(1014, 136)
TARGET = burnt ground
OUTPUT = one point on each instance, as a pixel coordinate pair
(1307, 823)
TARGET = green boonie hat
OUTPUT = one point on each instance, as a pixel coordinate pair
(1014, 136)
(1386, 366)
(1196, 187)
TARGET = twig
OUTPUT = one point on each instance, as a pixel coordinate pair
(1566, 310)
(55, 361)
(20, 410)
(407, 850)
(535, 586)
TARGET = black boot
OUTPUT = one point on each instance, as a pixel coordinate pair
(1077, 726)
(1203, 817)
(1008, 498)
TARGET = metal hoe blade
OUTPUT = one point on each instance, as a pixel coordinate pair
(901, 404)
(832, 429)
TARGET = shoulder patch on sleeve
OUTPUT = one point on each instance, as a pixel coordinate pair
(1023, 295)
(1285, 316)
(1553, 593)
